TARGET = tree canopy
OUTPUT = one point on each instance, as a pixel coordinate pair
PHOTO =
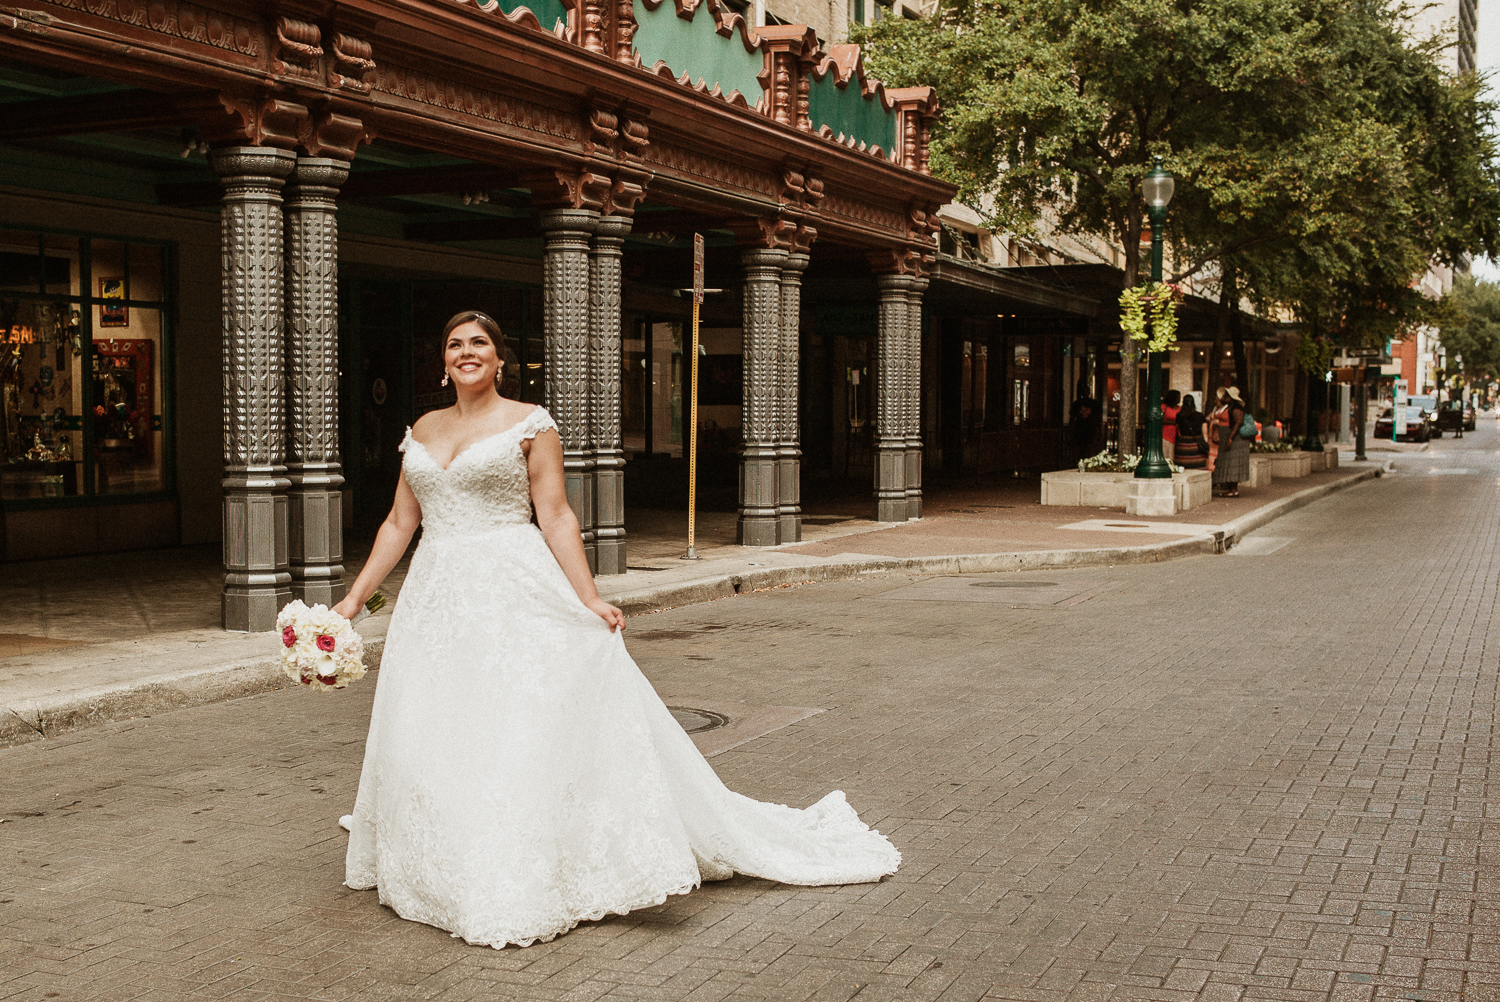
(1469, 327)
(1324, 158)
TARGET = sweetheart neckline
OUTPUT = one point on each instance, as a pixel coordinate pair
(472, 445)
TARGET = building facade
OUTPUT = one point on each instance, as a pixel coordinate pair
(231, 237)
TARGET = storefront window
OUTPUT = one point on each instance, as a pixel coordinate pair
(82, 341)
(1020, 384)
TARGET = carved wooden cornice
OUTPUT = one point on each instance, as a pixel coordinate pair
(324, 80)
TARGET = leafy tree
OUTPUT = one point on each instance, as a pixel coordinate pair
(1322, 160)
(1468, 323)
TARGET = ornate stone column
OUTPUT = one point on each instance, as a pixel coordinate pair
(257, 581)
(913, 398)
(316, 541)
(565, 324)
(891, 406)
(759, 420)
(604, 389)
(789, 450)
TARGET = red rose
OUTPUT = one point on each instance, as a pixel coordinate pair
(325, 642)
(288, 637)
(328, 679)
(306, 680)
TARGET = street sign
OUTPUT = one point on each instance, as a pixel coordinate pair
(1361, 352)
(697, 268)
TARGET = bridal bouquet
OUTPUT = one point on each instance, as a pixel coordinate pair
(319, 647)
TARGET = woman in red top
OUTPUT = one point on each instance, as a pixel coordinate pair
(1170, 407)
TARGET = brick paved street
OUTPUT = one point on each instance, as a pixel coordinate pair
(1266, 775)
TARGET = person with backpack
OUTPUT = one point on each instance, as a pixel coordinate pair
(1236, 431)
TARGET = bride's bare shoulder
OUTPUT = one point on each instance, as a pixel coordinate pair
(518, 411)
(429, 424)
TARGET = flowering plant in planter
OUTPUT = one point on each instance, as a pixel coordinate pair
(1109, 462)
(1156, 301)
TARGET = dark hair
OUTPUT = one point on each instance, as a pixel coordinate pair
(1172, 397)
(1188, 403)
(474, 317)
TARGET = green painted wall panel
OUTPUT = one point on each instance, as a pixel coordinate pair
(548, 12)
(695, 48)
(846, 110)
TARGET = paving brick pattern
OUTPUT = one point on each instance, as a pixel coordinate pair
(1223, 778)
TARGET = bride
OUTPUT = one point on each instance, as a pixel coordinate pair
(520, 774)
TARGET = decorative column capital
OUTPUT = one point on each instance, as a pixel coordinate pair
(611, 231)
(763, 264)
(260, 163)
(568, 225)
(314, 182)
(893, 285)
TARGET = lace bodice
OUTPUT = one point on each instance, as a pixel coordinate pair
(486, 485)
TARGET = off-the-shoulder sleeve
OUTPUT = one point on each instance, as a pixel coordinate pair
(537, 422)
(405, 440)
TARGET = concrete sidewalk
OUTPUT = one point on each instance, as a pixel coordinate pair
(66, 671)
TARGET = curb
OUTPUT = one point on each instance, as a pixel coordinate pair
(53, 716)
(730, 585)
(71, 711)
(1244, 525)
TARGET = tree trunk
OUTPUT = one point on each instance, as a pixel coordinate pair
(1237, 333)
(1129, 355)
(1216, 353)
(1299, 401)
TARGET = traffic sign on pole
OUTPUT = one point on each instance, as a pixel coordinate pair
(698, 269)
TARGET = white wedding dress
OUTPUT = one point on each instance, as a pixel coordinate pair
(520, 774)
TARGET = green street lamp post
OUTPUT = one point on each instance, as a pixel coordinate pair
(1157, 188)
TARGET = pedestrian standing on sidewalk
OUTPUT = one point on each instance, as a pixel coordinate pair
(1233, 464)
(1191, 446)
(1170, 405)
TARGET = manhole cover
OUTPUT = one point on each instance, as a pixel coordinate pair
(694, 721)
(1012, 584)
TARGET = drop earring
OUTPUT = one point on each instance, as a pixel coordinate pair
(445, 377)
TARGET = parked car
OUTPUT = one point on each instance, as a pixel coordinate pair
(1455, 416)
(1418, 424)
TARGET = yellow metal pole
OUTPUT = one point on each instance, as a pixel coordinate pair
(692, 552)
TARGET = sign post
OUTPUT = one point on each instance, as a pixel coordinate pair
(692, 550)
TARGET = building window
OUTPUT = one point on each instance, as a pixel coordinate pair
(83, 343)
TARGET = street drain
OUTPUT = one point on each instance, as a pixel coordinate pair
(696, 721)
(1127, 525)
(1012, 584)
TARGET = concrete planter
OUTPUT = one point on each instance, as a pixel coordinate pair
(1330, 457)
(1260, 471)
(1190, 488)
(1194, 487)
(1317, 462)
(1086, 490)
(1289, 464)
